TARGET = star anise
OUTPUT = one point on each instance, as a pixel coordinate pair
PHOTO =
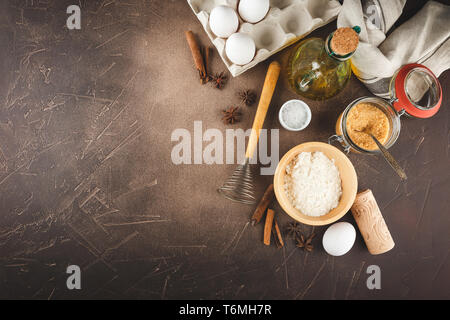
(305, 243)
(218, 80)
(231, 115)
(293, 230)
(248, 97)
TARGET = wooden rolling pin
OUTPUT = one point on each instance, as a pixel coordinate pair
(371, 223)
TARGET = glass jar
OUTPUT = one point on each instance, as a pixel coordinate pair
(315, 71)
(414, 91)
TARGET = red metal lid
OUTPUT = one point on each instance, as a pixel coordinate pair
(412, 76)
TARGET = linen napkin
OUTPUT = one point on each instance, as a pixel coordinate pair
(424, 39)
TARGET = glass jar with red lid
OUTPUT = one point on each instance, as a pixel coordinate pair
(414, 92)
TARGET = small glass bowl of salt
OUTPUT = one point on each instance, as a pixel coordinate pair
(294, 115)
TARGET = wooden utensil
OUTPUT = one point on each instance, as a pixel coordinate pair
(239, 187)
(371, 223)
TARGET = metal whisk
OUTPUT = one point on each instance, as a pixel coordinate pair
(239, 187)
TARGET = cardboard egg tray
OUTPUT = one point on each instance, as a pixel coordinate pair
(287, 22)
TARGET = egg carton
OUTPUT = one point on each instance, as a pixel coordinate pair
(286, 22)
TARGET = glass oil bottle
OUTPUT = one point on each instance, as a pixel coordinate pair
(319, 69)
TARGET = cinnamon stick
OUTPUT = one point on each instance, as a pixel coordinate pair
(277, 234)
(197, 55)
(207, 55)
(268, 226)
(262, 205)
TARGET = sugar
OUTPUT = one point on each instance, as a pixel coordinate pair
(294, 115)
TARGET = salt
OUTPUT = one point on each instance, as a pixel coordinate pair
(295, 115)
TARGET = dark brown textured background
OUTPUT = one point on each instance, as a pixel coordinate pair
(86, 176)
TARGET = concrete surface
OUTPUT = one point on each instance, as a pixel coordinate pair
(86, 176)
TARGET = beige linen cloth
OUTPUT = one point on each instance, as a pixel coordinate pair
(424, 39)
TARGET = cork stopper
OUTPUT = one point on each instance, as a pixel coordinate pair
(344, 41)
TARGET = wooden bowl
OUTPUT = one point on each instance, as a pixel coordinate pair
(348, 178)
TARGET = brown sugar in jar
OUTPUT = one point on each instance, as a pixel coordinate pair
(367, 118)
(381, 117)
(371, 115)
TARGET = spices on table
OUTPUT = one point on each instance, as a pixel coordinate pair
(293, 230)
(305, 243)
(201, 59)
(207, 55)
(263, 205)
(268, 226)
(231, 115)
(218, 80)
(277, 234)
(248, 97)
(367, 118)
(197, 54)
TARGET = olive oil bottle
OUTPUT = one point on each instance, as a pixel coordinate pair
(319, 69)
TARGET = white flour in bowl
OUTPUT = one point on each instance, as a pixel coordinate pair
(313, 184)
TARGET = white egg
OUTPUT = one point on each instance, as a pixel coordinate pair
(240, 48)
(223, 21)
(253, 11)
(339, 238)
